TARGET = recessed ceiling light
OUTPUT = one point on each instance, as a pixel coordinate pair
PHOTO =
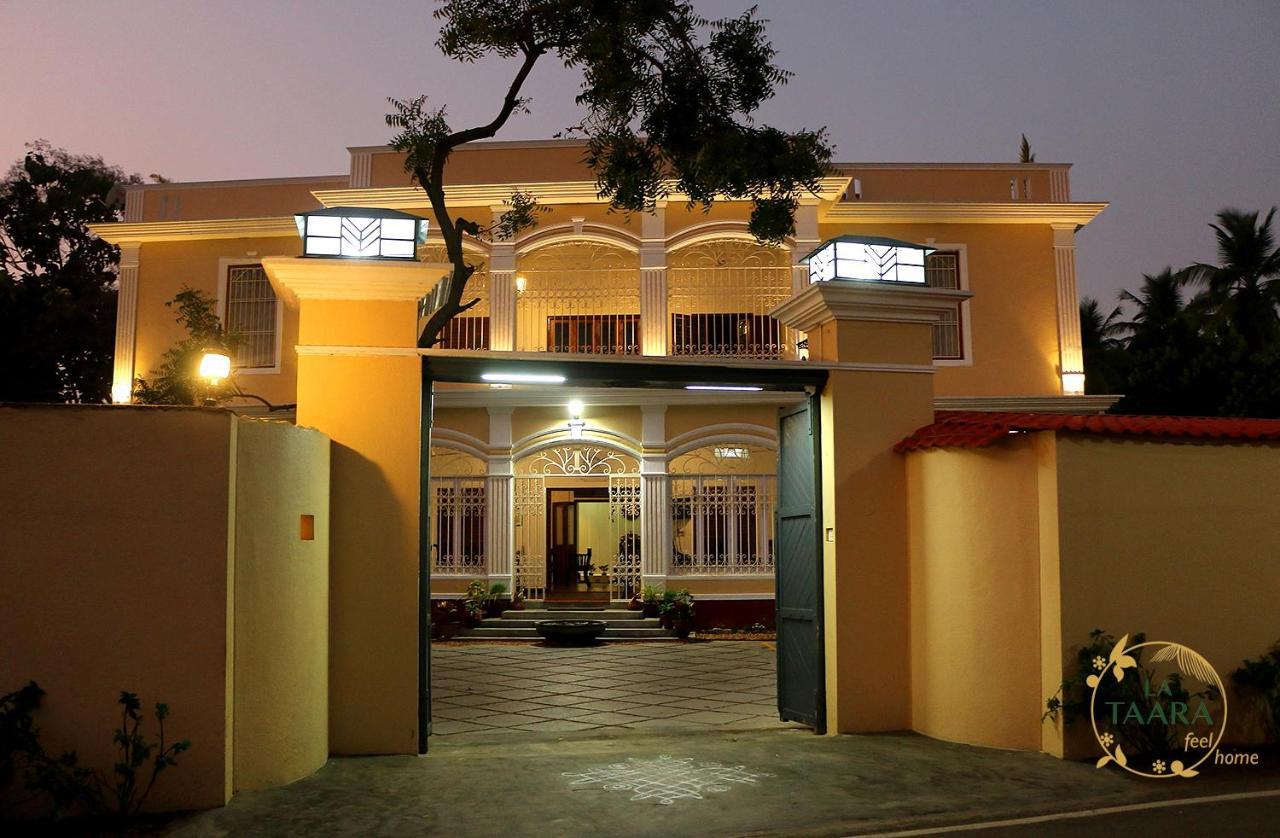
(522, 378)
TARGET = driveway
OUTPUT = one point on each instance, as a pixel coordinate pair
(490, 688)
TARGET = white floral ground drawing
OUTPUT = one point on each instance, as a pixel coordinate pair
(666, 779)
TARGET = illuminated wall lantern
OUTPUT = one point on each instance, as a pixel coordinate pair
(576, 422)
(360, 233)
(868, 259)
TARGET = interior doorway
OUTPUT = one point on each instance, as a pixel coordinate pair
(580, 549)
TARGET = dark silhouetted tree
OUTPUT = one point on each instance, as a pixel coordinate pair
(1024, 151)
(669, 99)
(57, 281)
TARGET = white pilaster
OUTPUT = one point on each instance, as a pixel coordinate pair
(499, 524)
(502, 296)
(655, 498)
(1070, 353)
(653, 283)
(126, 323)
(361, 170)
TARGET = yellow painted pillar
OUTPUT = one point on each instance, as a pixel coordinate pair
(359, 381)
(876, 340)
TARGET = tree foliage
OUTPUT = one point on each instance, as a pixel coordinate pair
(1200, 341)
(1024, 151)
(57, 281)
(176, 380)
(668, 99)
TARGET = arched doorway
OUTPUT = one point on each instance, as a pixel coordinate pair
(577, 528)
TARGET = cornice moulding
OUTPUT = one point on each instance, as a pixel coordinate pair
(300, 278)
(218, 228)
(881, 302)
(489, 194)
(1077, 213)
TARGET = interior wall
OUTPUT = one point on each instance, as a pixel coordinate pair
(116, 577)
(975, 642)
(595, 532)
(281, 603)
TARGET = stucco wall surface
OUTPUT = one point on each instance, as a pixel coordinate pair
(975, 652)
(113, 552)
(281, 603)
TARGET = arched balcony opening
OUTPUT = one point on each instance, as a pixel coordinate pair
(579, 297)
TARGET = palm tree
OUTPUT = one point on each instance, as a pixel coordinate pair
(1160, 309)
(1102, 343)
(1244, 288)
(1024, 151)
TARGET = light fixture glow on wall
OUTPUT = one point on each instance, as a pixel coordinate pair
(735, 388)
(1073, 383)
(215, 366)
(521, 283)
(361, 233)
(576, 422)
(868, 259)
(522, 378)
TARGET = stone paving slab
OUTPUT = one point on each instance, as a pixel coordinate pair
(482, 689)
(621, 783)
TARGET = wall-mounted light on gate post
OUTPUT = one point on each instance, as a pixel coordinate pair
(868, 259)
(576, 422)
(361, 233)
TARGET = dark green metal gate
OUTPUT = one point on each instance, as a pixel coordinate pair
(801, 681)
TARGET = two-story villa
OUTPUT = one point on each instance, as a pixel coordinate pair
(593, 493)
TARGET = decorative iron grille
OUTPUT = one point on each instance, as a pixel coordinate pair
(458, 526)
(469, 330)
(942, 270)
(251, 316)
(720, 294)
(722, 524)
(578, 297)
(529, 508)
(624, 527)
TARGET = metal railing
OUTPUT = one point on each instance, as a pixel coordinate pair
(724, 311)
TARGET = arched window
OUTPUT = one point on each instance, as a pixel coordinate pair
(722, 505)
(459, 509)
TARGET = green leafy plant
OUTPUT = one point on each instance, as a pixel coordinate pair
(650, 595)
(676, 610)
(1150, 737)
(67, 784)
(176, 380)
(1261, 678)
(139, 762)
(475, 600)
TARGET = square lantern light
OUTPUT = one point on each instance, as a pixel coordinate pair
(361, 233)
(868, 259)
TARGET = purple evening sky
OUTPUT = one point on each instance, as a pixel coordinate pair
(1168, 109)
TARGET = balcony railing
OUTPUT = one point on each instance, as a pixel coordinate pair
(724, 311)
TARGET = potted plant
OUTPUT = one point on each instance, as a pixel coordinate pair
(650, 598)
(666, 608)
(517, 601)
(496, 601)
(681, 612)
(445, 620)
(474, 600)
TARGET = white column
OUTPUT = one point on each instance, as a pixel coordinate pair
(1070, 354)
(653, 283)
(499, 524)
(502, 296)
(805, 242)
(655, 498)
(126, 323)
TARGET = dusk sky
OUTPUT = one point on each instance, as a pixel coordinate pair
(1169, 110)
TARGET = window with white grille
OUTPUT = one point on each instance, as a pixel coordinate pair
(722, 524)
(459, 509)
(251, 315)
(942, 270)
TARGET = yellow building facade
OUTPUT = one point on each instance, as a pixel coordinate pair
(678, 282)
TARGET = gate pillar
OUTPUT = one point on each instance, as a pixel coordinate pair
(360, 382)
(876, 339)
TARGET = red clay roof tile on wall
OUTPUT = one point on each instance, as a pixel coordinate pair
(976, 429)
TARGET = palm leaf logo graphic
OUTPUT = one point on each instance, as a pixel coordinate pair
(1189, 661)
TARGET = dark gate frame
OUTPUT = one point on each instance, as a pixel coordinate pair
(467, 367)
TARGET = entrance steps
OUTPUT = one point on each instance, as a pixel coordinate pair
(620, 623)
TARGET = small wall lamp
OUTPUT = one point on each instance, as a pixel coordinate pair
(576, 422)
